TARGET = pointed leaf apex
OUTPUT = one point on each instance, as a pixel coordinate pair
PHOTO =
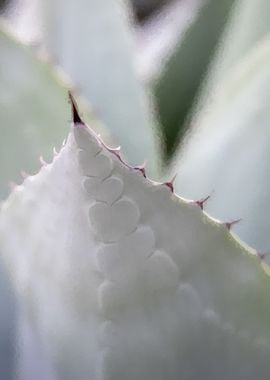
(75, 113)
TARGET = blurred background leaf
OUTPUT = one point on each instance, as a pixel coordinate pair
(247, 25)
(227, 152)
(160, 34)
(2, 5)
(143, 9)
(176, 90)
(34, 111)
(91, 40)
(8, 321)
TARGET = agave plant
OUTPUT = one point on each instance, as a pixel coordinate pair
(106, 271)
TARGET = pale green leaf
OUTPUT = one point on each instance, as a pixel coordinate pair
(248, 24)
(34, 110)
(177, 88)
(121, 279)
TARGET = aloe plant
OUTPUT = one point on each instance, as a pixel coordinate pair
(104, 272)
(119, 278)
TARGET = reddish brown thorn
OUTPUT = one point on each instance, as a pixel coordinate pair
(75, 113)
(141, 168)
(170, 184)
(42, 161)
(229, 225)
(262, 255)
(202, 201)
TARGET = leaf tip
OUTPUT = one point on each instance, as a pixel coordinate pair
(74, 108)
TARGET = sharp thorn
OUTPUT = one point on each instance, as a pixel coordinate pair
(42, 161)
(229, 225)
(201, 202)
(170, 184)
(64, 142)
(55, 151)
(74, 108)
(141, 168)
(261, 255)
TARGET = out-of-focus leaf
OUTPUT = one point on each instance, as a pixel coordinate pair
(24, 18)
(177, 88)
(158, 37)
(144, 8)
(91, 40)
(33, 111)
(228, 152)
(8, 321)
(3, 3)
(248, 24)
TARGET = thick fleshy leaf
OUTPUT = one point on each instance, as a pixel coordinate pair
(92, 41)
(118, 278)
(228, 153)
(177, 88)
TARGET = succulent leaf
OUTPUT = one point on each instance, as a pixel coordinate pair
(119, 278)
(33, 111)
